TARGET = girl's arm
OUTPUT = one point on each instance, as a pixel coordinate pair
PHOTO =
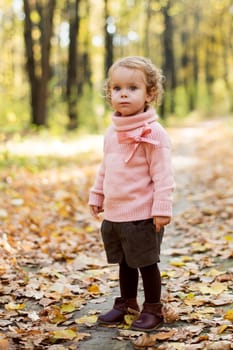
(96, 196)
(160, 167)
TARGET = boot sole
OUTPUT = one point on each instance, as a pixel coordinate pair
(146, 329)
(102, 323)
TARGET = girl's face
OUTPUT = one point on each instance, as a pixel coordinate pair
(128, 91)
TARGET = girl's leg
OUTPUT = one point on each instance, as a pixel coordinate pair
(127, 302)
(151, 315)
(152, 283)
(128, 280)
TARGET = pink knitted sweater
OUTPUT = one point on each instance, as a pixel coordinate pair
(135, 180)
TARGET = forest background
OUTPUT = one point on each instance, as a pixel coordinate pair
(54, 58)
(55, 53)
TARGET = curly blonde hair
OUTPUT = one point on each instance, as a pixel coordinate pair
(153, 76)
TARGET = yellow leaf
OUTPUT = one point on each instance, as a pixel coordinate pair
(213, 273)
(193, 301)
(58, 319)
(228, 238)
(94, 289)
(222, 328)
(177, 263)
(168, 274)
(66, 308)
(92, 319)
(55, 315)
(199, 247)
(129, 319)
(190, 296)
(64, 334)
(229, 315)
(89, 229)
(186, 258)
(216, 288)
(13, 306)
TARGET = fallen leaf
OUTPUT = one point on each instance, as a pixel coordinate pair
(222, 328)
(229, 315)
(67, 308)
(94, 289)
(220, 345)
(92, 319)
(68, 334)
(214, 289)
(170, 314)
(4, 344)
(150, 339)
(13, 306)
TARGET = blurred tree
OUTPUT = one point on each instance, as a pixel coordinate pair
(37, 34)
(68, 41)
(73, 7)
(84, 38)
(148, 18)
(78, 71)
(109, 29)
(226, 39)
(169, 58)
(190, 54)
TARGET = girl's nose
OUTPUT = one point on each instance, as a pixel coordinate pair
(123, 93)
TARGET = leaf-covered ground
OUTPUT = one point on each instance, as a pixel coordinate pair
(52, 261)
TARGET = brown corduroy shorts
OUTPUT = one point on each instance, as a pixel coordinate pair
(137, 241)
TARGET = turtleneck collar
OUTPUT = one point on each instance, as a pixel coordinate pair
(135, 121)
(135, 129)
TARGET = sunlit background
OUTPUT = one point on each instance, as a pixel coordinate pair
(63, 63)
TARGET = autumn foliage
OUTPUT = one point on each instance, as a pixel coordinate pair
(52, 261)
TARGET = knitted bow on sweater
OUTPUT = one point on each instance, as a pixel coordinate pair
(136, 137)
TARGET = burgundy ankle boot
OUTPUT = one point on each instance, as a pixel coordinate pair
(121, 308)
(150, 318)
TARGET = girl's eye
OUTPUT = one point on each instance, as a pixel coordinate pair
(133, 88)
(116, 88)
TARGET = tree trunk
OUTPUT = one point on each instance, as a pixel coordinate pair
(189, 61)
(148, 13)
(209, 65)
(84, 62)
(38, 54)
(72, 65)
(226, 55)
(195, 64)
(169, 60)
(108, 40)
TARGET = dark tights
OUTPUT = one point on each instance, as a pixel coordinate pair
(151, 282)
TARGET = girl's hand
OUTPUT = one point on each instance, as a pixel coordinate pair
(95, 210)
(161, 221)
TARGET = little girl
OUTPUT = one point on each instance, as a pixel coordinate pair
(134, 189)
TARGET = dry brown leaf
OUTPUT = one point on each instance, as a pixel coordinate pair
(220, 345)
(150, 339)
(170, 313)
(4, 344)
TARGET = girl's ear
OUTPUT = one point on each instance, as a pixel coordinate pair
(150, 95)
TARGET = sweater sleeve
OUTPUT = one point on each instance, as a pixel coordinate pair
(96, 196)
(160, 165)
